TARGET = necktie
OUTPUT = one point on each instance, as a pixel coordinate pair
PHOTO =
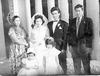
(77, 25)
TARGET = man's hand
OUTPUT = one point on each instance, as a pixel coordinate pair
(87, 50)
(62, 51)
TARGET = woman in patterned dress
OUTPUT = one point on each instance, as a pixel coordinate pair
(17, 47)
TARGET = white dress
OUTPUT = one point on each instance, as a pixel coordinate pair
(52, 67)
(37, 44)
(30, 68)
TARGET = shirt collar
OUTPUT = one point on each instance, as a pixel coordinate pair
(56, 20)
(80, 18)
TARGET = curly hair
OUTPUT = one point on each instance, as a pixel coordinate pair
(55, 9)
(37, 17)
(50, 41)
(14, 17)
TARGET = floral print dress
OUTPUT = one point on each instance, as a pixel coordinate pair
(16, 50)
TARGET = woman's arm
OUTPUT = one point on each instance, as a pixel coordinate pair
(15, 38)
(47, 33)
(36, 65)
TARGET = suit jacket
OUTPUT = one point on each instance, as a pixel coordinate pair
(85, 32)
(60, 34)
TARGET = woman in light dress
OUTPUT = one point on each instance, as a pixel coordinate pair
(30, 66)
(51, 61)
(37, 39)
(17, 48)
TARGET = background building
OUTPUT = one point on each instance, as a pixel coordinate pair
(27, 8)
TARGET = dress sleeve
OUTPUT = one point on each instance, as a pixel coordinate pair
(46, 33)
(32, 38)
(24, 61)
(12, 34)
(56, 52)
(15, 38)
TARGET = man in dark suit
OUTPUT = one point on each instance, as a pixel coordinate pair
(80, 36)
(58, 30)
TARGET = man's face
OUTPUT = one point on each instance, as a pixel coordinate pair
(56, 15)
(79, 12)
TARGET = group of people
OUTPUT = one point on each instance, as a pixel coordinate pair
(44, 51)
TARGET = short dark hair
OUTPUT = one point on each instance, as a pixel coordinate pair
(78, 6)
(14, 17)
(30, 53)
(55, 9)
(37, 17)
(50, 41)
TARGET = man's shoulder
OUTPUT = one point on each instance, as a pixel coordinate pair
(50, 22)
(72, 20)
(64, 22)
(88, 19)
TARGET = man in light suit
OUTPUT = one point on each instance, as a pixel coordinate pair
(80, 36)
(58, 30)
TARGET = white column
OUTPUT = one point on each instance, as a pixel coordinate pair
(15, 4)
(74, 3)
(93, 12)
(11, 6)
(63, 5)
(51, 3)
(28, 15)
(2, 39)
(38, 6)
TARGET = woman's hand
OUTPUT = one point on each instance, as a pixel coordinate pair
(26, 44)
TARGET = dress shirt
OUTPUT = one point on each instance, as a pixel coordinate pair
(54, 25)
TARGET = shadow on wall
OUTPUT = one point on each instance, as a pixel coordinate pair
(5, 11)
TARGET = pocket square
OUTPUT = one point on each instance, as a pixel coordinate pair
(60, 27)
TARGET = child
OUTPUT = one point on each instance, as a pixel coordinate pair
(30, 65)
(51, 62)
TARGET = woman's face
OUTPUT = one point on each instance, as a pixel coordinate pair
(17, 21)
(39, 21)
(31, 56)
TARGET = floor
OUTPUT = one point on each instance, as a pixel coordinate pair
(95, 67)
(4, 68)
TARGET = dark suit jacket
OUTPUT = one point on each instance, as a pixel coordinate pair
(85, 32)
(60, 34)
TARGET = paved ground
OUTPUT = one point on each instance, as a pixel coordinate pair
(95, 67)
(4, 68)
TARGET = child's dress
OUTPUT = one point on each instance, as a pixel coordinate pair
(52, 67)
(30, 68)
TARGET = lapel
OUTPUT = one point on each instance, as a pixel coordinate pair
(74, 26)
(50, 28)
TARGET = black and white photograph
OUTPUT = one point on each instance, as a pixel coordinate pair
(49, 37)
